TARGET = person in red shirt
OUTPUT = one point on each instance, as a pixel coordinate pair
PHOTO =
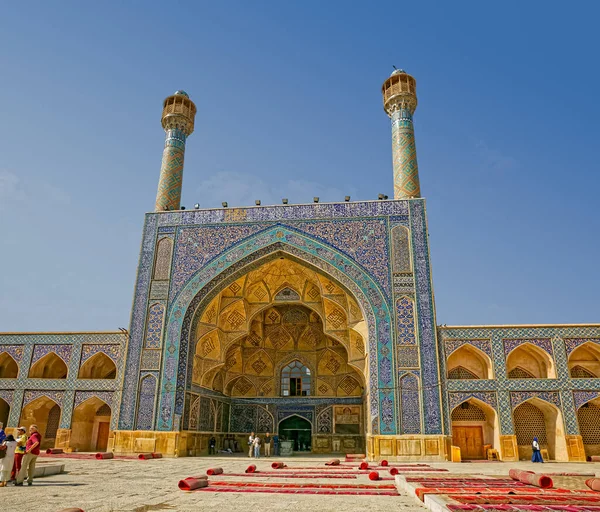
(32, 450)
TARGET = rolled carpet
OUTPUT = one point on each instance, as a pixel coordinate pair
(193, 482)
(214, 471)
(384, 463)
(71, 510)
(104, 455)
(393, 471)
(157, 455)
(374, 475)
(593, 484)
(145, 456)
(333, 462)
(54, 450)
(531, 478)
(364, 465)
(278, 465)
(594, 458)
(251, 469)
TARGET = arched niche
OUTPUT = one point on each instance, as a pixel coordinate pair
(99, 366)
(468, 362)
(50, 366)
(4, 412)
(475, 425)
(541, 419)
(584, 361)
(528, 359)
(45, 413)
(9, 369)
(588, 419)
(90, 425)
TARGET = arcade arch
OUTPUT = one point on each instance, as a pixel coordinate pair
(50, 366)
(99, 366)
(529, 362)
(538, 418)
(588, 418)
(8, 366)
(45, 413)
(90, 425)
(468, 362)
(475, 427)
(4, 411)
(584, 361)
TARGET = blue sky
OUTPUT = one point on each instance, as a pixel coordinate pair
(289, 105)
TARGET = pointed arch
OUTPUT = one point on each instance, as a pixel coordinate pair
(9, 369)
(90, 425)
(146, 401)
(162, 264)
(410, 409)
(45, 413)
(588, 419)
(584, 361)
(296, 379)
(51, 366)
(472, 361)
(536, 417)
(99, 366)
(241, 386)
(475, 424)
(531, 359)
(4, 411)
(401, 253)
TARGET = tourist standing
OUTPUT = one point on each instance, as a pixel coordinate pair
(268, 440)
(211, 445)
(2, 433)
(251, 444)
(276, 444)
(19, 452)
(256, 443)
(537, 455)
(6, 462)
(32, 450)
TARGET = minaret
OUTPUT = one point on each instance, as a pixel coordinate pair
(178, 122)
(400, 102)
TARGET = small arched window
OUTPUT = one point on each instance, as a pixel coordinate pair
(295, 380)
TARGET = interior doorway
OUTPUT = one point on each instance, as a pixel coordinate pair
(299, 431)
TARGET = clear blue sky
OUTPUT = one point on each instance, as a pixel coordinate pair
(289, 105)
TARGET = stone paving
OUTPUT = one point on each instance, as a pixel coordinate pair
(120, 485)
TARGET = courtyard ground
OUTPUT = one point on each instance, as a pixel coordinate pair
(125, 485)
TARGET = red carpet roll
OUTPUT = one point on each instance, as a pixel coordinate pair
(279, 465)
(157, 455)
(595, 458)
(364, 465)
(104, 455)
(531, 478)
(384, 463)
(251, 469)
(374, 475)
(144, 456)
(214, 471)
(71, 510)
(54, 450)
(593, 484)
(393, 471)
(193, 482)
(333, 462)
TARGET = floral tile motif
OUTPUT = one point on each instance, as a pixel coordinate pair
(111, 351)
(62, 351)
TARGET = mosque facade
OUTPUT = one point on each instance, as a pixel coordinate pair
(315, 321)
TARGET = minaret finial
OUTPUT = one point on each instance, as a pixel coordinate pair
(400, 102)
(177, 120)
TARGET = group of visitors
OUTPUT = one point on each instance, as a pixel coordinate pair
(18, 456)
(255, 443)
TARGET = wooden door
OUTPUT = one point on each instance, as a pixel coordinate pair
(102, 440)
(470, 441)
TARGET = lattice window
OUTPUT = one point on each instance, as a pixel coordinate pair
(53, 421)
(520, 373)
(104, 410)
(579, 372)
(295, 380)
(460, 372)
(529, 423)
(588, 416)
(468, 412)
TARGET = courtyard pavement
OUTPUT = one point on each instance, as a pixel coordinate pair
(125, 485)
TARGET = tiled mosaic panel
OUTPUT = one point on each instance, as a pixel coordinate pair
(404, 155)
(405, 315)
(171, 172)
(156, 313)
(325, 421)
(162, 265)
(454, 344)
(112, 351)
(407, 356)
(411, 410)
(82, 396)
(62, 351)
(15, 351)
(145, 416)
(400, 250)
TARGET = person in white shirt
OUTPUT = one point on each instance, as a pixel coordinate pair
(251, 444)
(6, 463)
(257, 443)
